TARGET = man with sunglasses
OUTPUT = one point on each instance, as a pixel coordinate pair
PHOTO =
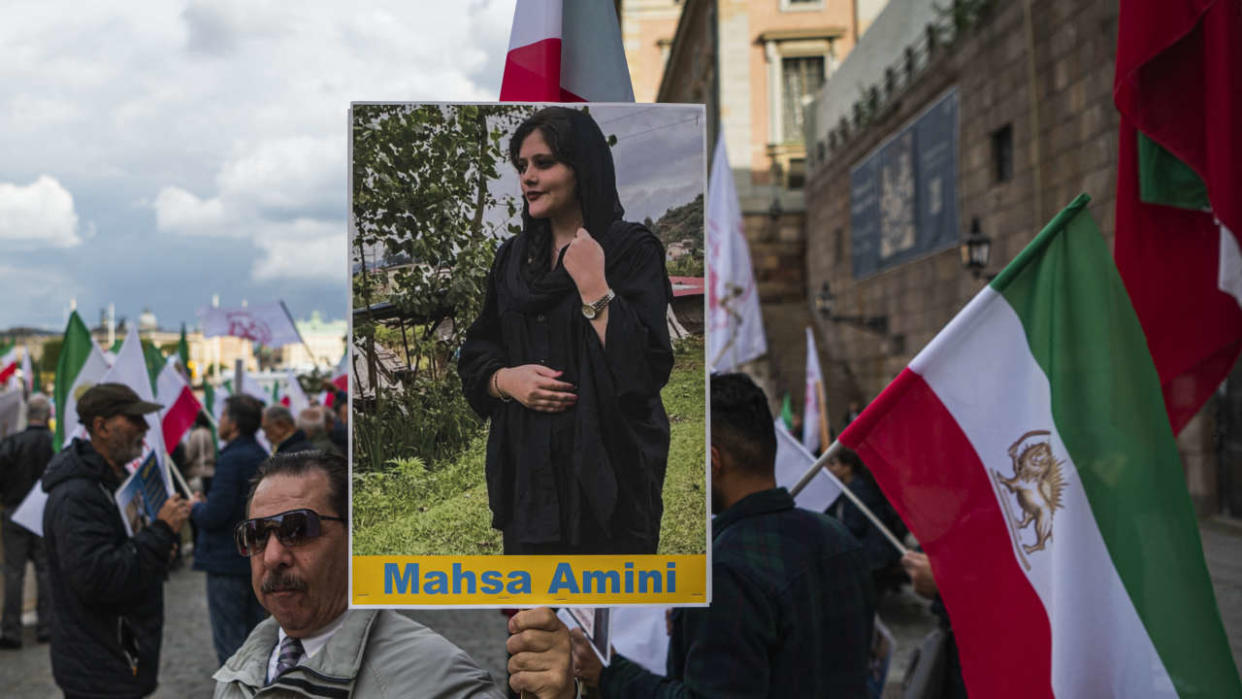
(297, 540)
(107, 586)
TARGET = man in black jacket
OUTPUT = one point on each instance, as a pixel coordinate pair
(107, 586)
(792, 604)
(23, 457)
(282, 433)
(230, 600)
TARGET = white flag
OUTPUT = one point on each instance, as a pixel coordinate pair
(810, 403)
(298, 401)
(792, 462)
(130, 369)
(641, 635)
(27, 371)
(735, 326)
(268, 324)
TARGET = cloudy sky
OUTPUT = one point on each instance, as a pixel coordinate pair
(156, 153)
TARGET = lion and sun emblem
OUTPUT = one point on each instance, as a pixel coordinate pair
(1037, 484)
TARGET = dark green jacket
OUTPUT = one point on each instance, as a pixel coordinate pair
(791, 612)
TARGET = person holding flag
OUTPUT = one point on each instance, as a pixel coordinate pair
(107, 586)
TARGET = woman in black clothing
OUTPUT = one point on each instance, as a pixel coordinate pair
(569, 354)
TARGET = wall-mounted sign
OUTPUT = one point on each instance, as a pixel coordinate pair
(903, 195)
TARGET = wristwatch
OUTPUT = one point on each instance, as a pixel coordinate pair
(590, 310)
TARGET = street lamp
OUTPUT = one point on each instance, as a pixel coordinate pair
(976, 249)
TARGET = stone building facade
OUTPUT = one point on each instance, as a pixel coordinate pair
(748, 61)
(1063, 143)
(1036, 126)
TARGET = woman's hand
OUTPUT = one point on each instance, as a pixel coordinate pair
(537, 387)
(584, 260)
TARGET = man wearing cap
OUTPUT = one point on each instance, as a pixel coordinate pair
(107, 586)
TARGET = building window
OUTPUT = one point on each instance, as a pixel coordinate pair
(801, 78)
(1002, 154)
(796, 179)
(788, 5)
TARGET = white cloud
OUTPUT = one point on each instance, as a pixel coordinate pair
(179, 211)
(38, 215)
(287, 174)
(227, 117)
(306, 256)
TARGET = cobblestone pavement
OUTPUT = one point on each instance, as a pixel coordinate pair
(188, 660)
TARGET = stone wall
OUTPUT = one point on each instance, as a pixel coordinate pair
(1076, 151)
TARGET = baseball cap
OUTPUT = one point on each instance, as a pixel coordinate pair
(108, 399)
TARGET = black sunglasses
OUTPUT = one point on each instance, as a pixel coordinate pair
(293, 528)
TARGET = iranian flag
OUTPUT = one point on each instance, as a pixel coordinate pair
(180, 405)
(1178, 88)
(80, 366)
(565, 51)
(1028, 449)
(8, 363)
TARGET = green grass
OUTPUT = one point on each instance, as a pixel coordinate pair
(410, 510)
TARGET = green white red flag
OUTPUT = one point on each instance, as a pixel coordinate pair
(80, 366)
(1178, 87)
(565, 51)
(8, 363)
(1028, 450)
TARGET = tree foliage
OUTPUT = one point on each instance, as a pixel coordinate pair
(421, 190)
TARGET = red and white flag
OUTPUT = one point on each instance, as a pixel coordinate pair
(8, 363)
(340, 379)
(180, 405)
(565, 51)
(1178, 86)
(268, 324)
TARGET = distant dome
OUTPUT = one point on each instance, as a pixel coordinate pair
(147, 321)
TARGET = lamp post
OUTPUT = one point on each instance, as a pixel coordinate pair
(976, 249)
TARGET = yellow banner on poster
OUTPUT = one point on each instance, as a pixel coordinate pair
(521, 581)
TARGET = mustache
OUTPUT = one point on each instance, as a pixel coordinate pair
(282, 582)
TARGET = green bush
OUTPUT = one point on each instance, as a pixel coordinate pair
(429, 420)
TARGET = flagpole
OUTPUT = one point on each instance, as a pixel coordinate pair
(832, 450)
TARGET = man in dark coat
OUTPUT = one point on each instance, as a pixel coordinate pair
(23, 457)
(282, 433)
(234, 609)
(107, 586)
(792, 605)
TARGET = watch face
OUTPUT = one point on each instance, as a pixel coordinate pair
(588, 311)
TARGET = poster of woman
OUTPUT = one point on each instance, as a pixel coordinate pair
(527, 338)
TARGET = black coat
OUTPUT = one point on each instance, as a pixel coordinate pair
(589, 479)
(294, 442)
(214, 550)
(23, 457)
(107, 587)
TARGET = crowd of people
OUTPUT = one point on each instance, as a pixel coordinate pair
(793, 591)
